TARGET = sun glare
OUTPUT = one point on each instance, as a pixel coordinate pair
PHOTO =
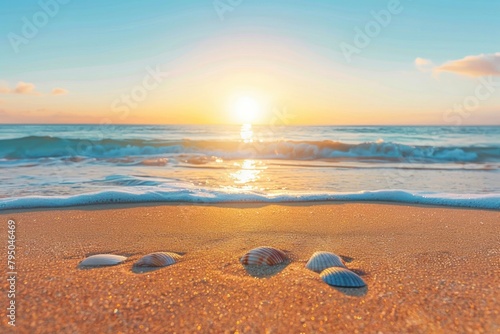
(247, 110)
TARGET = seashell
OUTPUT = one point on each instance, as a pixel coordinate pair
(158, 259)
(341, 277)
(102, 260)
(263, 255)
(319, 261)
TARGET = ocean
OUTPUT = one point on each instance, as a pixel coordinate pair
(65, 165)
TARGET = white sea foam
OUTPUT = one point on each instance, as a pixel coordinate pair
(192, 195)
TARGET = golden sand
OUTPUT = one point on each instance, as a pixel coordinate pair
(427, 269)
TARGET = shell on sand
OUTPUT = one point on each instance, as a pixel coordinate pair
(102, 260)
(319, 261)
(158, 259)
(264, 255)
(341, 277)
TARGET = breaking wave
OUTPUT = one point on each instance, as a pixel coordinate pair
(183, 193)
(35, 147)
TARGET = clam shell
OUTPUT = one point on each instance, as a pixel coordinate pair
(341, 277)
(158, 259)
(102, 260)
(319, 261)
(264, 255)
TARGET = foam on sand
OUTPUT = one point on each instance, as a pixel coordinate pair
(195, 195)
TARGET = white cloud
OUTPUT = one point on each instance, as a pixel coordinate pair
(474, 66)
(28, 88)
(424, 65)
(25, 88)
(59, 91)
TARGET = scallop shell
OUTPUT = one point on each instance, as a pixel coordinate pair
(264, 255)
(341, 277)
(158, 259)
(102, 260)
(319, 261)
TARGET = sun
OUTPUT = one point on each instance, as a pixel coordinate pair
(247, 109)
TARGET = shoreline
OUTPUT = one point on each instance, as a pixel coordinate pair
(249, 204)
(427, 269)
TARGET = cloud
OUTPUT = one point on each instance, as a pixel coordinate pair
(25, 88)
(422, 61)
(28, 88)
(424, 65)
(59, 91)
(474, 66)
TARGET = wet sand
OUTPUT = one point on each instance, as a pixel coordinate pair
(427, 269)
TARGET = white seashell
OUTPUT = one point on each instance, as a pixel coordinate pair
(264, 255)
(341, 277)
(319, 261)
(102, 260)
(158, 259)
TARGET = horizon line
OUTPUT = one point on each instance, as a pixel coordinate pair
(259, 124)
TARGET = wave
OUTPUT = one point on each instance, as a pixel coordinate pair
(181, 194)
(35, 147)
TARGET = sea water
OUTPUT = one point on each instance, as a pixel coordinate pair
(62, 165)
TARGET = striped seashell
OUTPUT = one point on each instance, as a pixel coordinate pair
(341, 277)
(263, 255)
(102, 260)
(319, 261)
(158, 259)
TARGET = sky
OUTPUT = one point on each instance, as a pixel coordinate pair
(207, 62)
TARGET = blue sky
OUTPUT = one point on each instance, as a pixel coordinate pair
(282, 52)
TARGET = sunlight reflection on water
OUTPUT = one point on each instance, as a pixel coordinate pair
(247, 173)
(246, 133)
(247, 169)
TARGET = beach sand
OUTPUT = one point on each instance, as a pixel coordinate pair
(427, 269)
